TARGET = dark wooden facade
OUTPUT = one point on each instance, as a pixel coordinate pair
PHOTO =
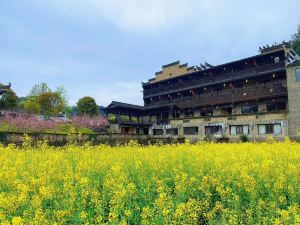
(224, 82)
(253, 80)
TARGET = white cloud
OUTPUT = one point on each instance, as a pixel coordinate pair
(153, 16)
(132, 15)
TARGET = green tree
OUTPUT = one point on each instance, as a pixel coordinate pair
(296, 41)
(32, 107)
(21, 102)
(87, 106)
(68, 110)
(8, 100)
(63, 94)
(39, 89)
(51, 103)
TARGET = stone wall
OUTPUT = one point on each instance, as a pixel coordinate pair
(294, 100)
(226, 121)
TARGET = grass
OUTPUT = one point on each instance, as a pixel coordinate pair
(63, 128)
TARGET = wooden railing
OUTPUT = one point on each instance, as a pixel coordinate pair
(230, 96)
(235, 96)
(197, 82)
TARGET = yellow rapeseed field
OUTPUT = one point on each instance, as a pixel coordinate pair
(205, 183)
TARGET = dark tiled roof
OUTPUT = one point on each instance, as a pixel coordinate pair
(138, 107)
(125, 105)
(213, 68)
(171, 64)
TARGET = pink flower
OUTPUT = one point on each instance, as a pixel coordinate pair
(94, 123)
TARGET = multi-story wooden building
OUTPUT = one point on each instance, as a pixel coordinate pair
(256, 96)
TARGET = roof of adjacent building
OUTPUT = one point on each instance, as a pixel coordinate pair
(296, 63)
(115, 104)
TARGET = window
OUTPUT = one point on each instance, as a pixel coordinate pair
(190, 130)
(112, 117)
(175, 114)
(269, 128)
(146, 131)
(145, 119)
(226, 111)
(158, 132)
(134, 119)
(172, 131)
(188, 114)
(239, 129)
(276, 106)
(127, 130)
(124, 118)
(213, 130)
(206, 113)
(249, 109)
(297, 75)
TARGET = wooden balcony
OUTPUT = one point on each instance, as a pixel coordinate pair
(233, 97)
(201, 81)
(270, 90)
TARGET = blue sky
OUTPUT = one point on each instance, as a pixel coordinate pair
(105, 48)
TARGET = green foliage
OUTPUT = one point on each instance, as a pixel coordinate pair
(87, 106)
(51, 103)
(63, 94)
(124, 118)
(134, 119)
(21, 102)
(68, 110)
(244, 138)
(296, 41)
(208, 138)
(39, 89)
(112, 117)
(8, 100)
(32, 107)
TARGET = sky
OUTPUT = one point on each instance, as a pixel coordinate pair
(106, 48)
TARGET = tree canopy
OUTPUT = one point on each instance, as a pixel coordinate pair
(63, 94)
(39, 89)
(296, 41)
(87, 106)
(9, 99)
(51, 103)
(32, 107)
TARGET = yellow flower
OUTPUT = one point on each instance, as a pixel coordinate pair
(83, 215)
(17, 221)
(128, 213)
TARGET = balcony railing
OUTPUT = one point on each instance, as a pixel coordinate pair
(235, 96)
(269, 90)
(202, 82)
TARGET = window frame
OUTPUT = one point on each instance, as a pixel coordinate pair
(276, 106)
(239, 129)
(217, 131)
(172, 131)
(250, 107)
(297, 75)
(190, 133)
(155, 130)
(269, 128)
